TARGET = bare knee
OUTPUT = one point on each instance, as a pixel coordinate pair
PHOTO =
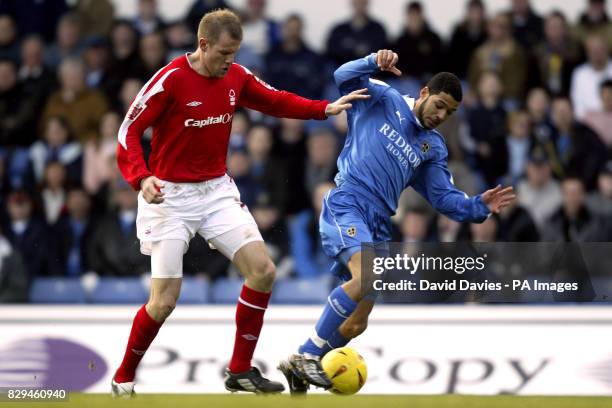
(161, 308)
(264, 273)
(351, 329)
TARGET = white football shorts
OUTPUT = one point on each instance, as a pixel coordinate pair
(211, 208)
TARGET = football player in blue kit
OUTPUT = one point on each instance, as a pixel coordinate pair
(391, 144)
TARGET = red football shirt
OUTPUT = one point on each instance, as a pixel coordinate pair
(191, 117)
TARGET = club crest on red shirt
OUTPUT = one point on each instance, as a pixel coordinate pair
(135, 110)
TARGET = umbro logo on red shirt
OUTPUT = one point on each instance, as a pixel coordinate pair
(194, 103)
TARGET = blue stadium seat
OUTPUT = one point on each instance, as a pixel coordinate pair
(57, 290)
(119, 290)
(194, 291)
(226, 290)
(302, 291)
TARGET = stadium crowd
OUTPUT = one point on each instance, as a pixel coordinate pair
(537, 114)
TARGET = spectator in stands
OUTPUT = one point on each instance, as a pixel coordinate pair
(37, 82)
(419, 46)
(267, 172)
(9, 46)
(274, 232)
(239, 167)
(114, 249)
(69, 41)
(28, 234)
(357, 37)
(414, 226)
(543, 131)
(556, 56)
(53, 192)
(448, 230)
(516, 225)
(73, 232)
(467, 36)
(518, 144)
(587, 78)
(579, 148)
(126, 61)
(14, 278)
(199, 8)
(322, 147)
(179, 38)
(129, 89)
(526, 24)
(240, 127)
(96, 16)
(501, 54)
(16, 111)
(97, 58)
(595, 20)
(309, 260)
(574, 221)
(82, 108)
(601, 120)
(260, 32)
(486, 231)
(35, 16)
(57, 144)
(600, 201)
(148, 20)
(291, 149)
(292, 65)
(539, 194)
(486, 122)
(152, 54)
(98, 166)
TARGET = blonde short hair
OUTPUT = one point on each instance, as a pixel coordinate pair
(215, 22)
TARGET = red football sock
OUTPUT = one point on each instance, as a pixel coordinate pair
(249, 319)
(144, 330)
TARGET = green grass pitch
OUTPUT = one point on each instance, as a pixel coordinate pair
(319, 401)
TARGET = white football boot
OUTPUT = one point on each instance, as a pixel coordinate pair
(122, 390)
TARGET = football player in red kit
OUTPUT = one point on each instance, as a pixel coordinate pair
(185, 190)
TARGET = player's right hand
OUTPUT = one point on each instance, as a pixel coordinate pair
(151, 190)
(386, 61)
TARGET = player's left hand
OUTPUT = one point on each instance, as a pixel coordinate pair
(344, 103)
(496, 199)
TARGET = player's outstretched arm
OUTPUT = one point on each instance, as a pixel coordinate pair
(496, 199)
(343, 103)
(355, 74)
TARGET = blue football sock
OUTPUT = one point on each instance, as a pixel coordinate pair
(336, 340)
(338, 308)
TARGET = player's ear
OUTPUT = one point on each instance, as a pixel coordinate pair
(203, 44)
(424, 92)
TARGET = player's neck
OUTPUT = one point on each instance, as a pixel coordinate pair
(195, 60)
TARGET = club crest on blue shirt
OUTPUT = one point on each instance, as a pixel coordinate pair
(425, 147)
(351, 231)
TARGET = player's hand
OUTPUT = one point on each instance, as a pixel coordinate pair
(386, 61)
(344, 103)
(496, 199)
(151, 190)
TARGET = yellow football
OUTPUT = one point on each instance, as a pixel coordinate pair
(346, 369)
